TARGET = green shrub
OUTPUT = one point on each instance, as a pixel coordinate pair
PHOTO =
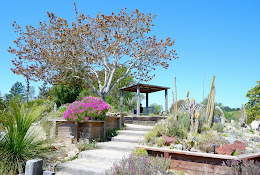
(218, 127)
(224, 135)
(22, 140)
(207, 139)
(159, 142)
(111, 132)
(61, 110)
(141, 152)
(184, 119)
(175, 128)
(150, 137)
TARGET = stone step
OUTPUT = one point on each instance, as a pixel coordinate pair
(138, 127)
(122, 146)
(110, 155)
(128, 138)
(86, 166)
(131, 132)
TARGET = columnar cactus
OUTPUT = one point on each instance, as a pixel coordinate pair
(197, 114)
(211, 103)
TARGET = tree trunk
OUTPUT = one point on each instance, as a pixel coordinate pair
(103, 97)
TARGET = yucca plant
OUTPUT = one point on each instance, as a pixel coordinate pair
(20, 141)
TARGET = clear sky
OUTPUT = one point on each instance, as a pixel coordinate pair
(213, 37)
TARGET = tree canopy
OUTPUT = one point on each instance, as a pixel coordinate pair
(91, 47)
(17, 90)
(253, 105)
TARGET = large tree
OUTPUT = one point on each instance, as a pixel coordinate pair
(253, 105)
(55, 50)
(17, 90)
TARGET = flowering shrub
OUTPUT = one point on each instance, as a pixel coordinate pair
(140, 165)
(89, 108)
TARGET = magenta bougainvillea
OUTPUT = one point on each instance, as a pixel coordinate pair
(90, 108)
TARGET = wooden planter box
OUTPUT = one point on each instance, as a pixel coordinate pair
(92, 129)
(198, 162)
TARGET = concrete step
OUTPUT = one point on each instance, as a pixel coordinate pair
(110, 155)
(128, 138)
(131, 132)
(138, 127)
(86, 166)
(122, 146)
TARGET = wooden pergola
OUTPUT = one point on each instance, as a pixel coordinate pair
(143, 88)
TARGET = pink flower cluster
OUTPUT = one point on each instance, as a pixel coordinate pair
(86, 109)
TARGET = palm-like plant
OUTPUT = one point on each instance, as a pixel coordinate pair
(21, 140)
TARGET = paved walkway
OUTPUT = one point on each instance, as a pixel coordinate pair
(93, 162)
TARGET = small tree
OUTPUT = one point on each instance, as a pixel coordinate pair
(90, 47)
(253, 105)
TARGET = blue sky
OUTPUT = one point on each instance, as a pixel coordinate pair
(213, 37)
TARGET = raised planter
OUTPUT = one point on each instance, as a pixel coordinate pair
(198, 162)
(92, 129)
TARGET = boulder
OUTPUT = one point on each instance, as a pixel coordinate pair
(178, 146)
(168, 140)
(228, 149)
(238, 145)
(225, 149)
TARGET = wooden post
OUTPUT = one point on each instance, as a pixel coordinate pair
(104, 130)
(166, 155)
(147, 111)
(76, 131)
(166, 100)
(121, 109)
(138, 101)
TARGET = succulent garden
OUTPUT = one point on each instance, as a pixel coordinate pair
(196, 127)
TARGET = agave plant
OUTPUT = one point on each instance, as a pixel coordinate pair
(21, 140)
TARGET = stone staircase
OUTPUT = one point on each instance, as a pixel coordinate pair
(94, 162)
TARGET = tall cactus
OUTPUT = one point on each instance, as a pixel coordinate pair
(197, 114)
(191, 112)
(211, 103)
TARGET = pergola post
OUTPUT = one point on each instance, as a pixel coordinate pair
(166, 100)
(147, 111)
(121, 109)
(138, 101)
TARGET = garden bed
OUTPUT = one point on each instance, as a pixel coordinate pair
(198, 162)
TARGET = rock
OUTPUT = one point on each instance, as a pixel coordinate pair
(225, 150)
(238, 145)
(71, 154)
(168, 140)
(229, 149)
(66, 158)
(255, 125)
(178, 146)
